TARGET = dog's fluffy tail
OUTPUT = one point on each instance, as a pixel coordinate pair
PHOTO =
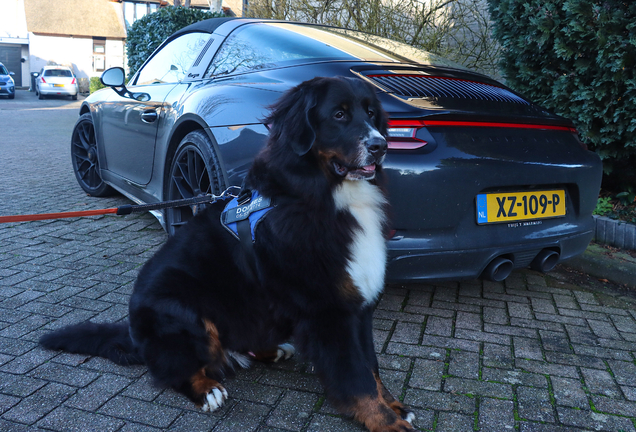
(111, 341)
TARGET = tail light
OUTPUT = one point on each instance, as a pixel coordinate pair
(402, 134)
(42, 78)
(73, 82)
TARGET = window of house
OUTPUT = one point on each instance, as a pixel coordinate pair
(136, 10)
(99, 54)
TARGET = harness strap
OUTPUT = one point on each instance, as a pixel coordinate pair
(241, 216)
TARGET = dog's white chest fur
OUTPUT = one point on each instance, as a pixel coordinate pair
(367, 263)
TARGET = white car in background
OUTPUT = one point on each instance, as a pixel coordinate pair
(56, 81)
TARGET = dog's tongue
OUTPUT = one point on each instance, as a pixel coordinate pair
(369, 168)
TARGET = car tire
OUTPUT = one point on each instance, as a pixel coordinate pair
(40, 96)
(74, 97)
(12, 96)
(85, 159)
(194, 171)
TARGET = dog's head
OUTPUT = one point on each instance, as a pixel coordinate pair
(339, 121)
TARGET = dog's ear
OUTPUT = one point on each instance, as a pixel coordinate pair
(381, 119)
(290, 117)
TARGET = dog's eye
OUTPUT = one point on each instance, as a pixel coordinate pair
(371, 113)
(339, 115)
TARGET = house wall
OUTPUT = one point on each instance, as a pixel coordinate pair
(73, 51)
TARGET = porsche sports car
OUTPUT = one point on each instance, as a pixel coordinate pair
(480, 179)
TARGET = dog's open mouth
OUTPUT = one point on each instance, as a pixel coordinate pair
(355, 173)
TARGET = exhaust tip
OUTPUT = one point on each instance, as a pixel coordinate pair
(498, 269)
(545, 260)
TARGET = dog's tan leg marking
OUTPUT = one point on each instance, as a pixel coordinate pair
(378, 416)
(215, 393)
(395, 404)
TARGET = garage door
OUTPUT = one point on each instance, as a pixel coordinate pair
(10, 58)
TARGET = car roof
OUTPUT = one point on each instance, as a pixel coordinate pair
(57, 67)
(207, 26)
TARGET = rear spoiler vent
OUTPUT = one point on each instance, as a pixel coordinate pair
(420, 86)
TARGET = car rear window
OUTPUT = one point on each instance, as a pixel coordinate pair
(267, 45)
(57, 73)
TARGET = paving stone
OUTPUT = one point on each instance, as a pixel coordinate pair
(6, 402)
(96, 394)
(575, 360)
(615, 406)
(569, 392)
(139, 411)
(514, 377)
(245, 416)
(547, 368)
(555, 341)
(629, 392)
(190, 422)
(439, 326)
(439, 401)
(600, 382)
(624, 372)
(464, 364)
(498, 356)
(527, 348)
(594, 421)
(328, 423)
(74, 420)
(416, 351)
(64, 374)
(601, 352)
(604, 329)
(480, 388)
(407, 333)
(495, 315)
(480, 336)
(427, 374)
(293, 411)
(496, 415)
(40, 403)
(453, 422)
(534, 404)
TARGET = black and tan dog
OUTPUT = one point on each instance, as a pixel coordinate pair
(318, 265)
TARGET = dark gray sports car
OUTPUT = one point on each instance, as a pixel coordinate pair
(481, 180)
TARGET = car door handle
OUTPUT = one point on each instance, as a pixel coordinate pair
(149, 116)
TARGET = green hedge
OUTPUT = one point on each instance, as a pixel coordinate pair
(147, 33)
(95, 84)
(577, 58)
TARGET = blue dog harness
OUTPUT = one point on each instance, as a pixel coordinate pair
(251, 210)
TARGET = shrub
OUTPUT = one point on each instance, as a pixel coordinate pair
(147, 33)
(577, 58)
(95, 84)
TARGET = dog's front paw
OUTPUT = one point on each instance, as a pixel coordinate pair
(215, 399)
(284, 352)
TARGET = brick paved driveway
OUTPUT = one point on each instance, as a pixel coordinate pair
(536, 353)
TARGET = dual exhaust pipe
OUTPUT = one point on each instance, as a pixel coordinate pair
(501, 267)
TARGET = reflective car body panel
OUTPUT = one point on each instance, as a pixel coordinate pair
(7, 85)
(457, 135)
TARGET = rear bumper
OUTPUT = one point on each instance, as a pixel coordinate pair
(408, 263)
(67, 90)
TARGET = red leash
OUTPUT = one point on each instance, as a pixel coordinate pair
(125, 209)
(45, 216)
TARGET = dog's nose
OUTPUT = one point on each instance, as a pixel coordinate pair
(377, 146)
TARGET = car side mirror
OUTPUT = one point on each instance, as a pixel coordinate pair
(115, 78)
(12, 73)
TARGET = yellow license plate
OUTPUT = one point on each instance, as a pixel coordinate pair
(520, 206)
(58, 85)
